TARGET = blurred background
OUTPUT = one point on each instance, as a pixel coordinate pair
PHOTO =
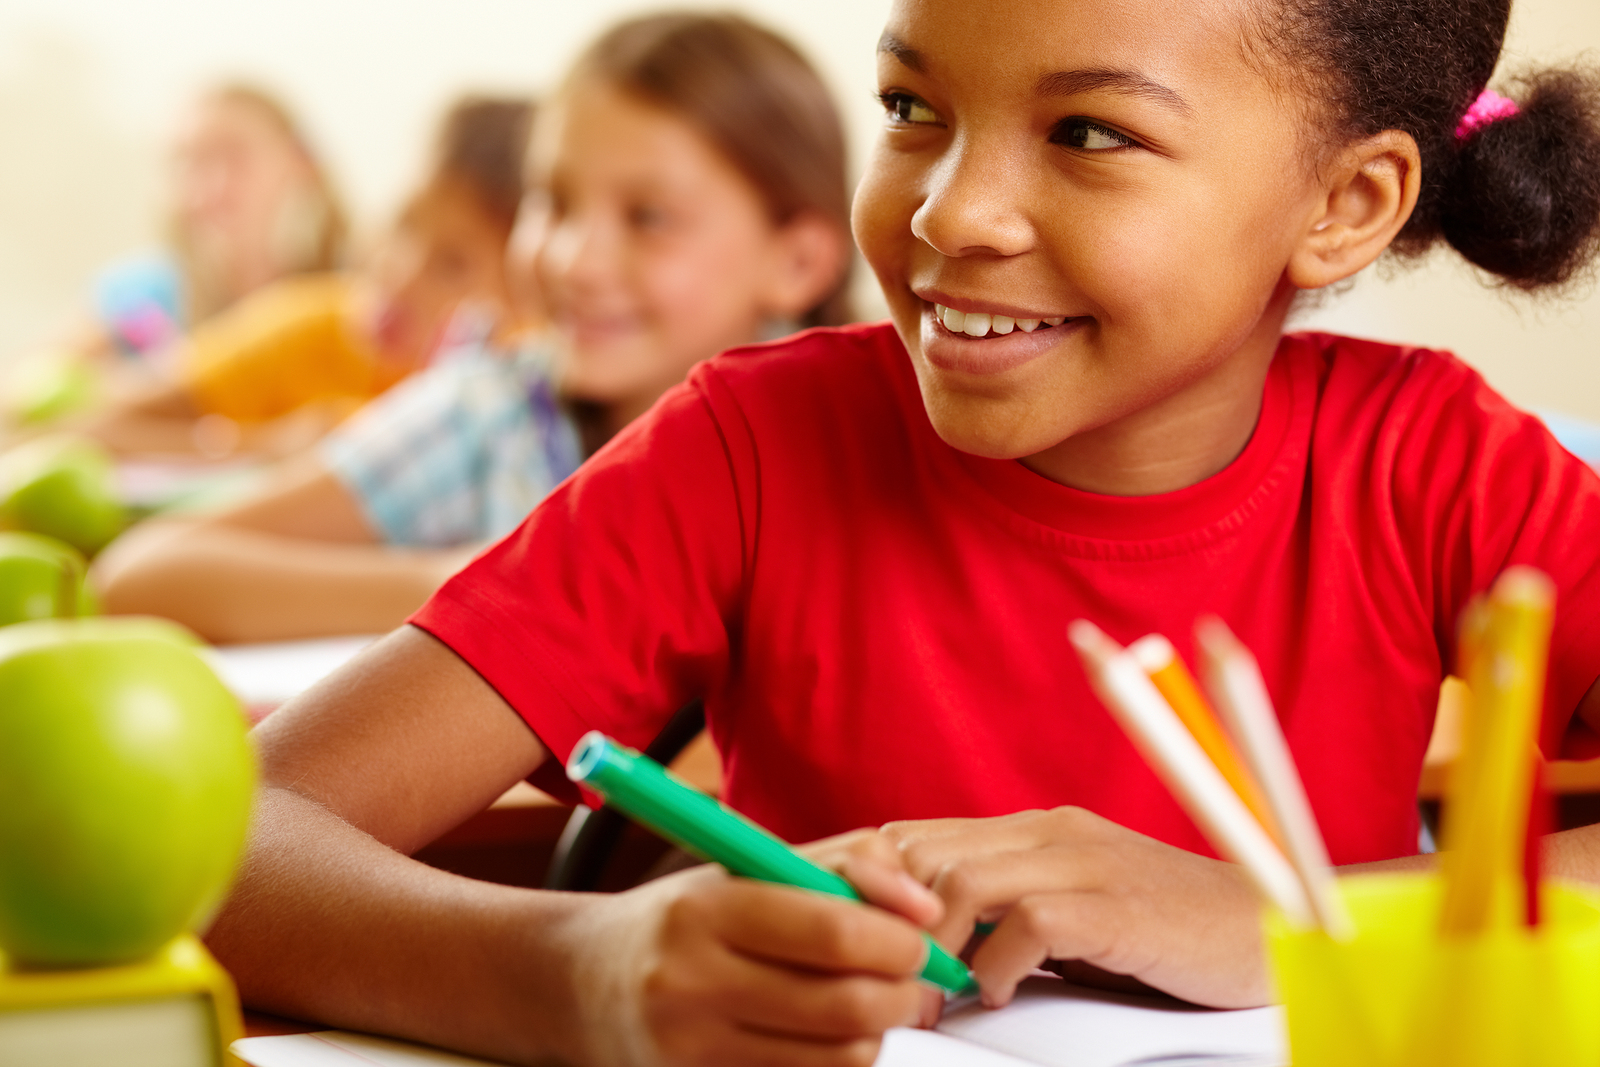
(90, 90)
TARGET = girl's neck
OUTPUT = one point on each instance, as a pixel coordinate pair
(1181, 439)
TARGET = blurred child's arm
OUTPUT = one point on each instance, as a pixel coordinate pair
(329, 919)
(162, 419)
(298, 559)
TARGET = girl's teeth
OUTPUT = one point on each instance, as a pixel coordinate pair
(980, 324)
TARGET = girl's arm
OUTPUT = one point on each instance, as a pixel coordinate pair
(297, 560)
(163, 419)
(330, 920)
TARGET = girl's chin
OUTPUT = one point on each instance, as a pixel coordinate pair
(975, 426)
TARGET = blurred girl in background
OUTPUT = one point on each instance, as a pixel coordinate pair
(249, 203)
(275, 371)
(688, 195)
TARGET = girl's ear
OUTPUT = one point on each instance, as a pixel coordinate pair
(809, 253)
(1370, 189)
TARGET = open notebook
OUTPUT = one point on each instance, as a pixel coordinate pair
(1050, 1023)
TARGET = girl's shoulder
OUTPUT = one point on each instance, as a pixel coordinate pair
(1412, 409)
(1396, 383)
(1360, 360)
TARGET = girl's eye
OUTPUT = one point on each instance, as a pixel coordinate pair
(906, 110)
(646, 217)
(1090, 136)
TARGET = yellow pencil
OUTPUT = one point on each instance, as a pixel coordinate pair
(1173, 680)
(1504, 652)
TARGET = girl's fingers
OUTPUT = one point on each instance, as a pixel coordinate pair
(794, 928)
(893, 889)
(813, 1007)
(985, 886)
(926, 847)
(871, 862)
(1067, 926)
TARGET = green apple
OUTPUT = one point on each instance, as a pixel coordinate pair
(61, 486)
(125, 789)
(46, 386)
(40, 578)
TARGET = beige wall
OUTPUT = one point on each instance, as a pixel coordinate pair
(87, 87)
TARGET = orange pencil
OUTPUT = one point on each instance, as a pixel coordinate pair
(1172, 680)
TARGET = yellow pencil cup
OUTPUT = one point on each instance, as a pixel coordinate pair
(1398, 994)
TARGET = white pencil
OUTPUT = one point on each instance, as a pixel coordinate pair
(1177, 758)
(1240, 695)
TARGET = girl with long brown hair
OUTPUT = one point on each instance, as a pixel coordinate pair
(687, 195)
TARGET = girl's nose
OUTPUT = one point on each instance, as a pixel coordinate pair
(579, 251)
(973, 205)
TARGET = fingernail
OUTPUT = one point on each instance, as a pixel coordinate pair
(916, 888)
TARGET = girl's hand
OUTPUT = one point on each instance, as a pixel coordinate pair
(1068, 885)
(703, 968)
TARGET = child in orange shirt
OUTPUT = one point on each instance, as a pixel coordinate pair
(272, 372)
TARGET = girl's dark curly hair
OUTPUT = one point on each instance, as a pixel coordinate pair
(1519, 196)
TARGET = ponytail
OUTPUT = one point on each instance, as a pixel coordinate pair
(1516, 194)
(1523, 198)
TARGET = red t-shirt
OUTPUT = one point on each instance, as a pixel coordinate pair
(877, 621)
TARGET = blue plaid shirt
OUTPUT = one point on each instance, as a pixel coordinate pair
(460, 453)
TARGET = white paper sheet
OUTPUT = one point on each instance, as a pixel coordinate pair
(1050, 1023)
(332, 1048)
(925, 1048)
(1061, 1025)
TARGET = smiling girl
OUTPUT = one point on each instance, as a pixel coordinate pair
(861, 547)
(687, 194)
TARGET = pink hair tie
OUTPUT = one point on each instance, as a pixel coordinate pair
(1489, 107)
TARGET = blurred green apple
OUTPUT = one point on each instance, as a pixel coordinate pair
(61, 486)
(47, 385)
(125, 789)
(41, 578)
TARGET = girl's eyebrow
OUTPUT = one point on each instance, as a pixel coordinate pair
(908, 56)
(1069, 82)
(1066, 82)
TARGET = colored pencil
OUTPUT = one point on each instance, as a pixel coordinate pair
(1235, 683)
(1194, 780)
(1490, 851)
(1174, 682)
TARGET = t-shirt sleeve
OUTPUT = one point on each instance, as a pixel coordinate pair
(459, 454)
(1481, 486)
(610, 607)
(279, 349)
(411, 459)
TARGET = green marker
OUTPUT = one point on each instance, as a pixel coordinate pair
(647, 792)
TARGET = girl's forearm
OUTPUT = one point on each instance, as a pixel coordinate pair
(231, 584)
(1571, 854)
(326, 923)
